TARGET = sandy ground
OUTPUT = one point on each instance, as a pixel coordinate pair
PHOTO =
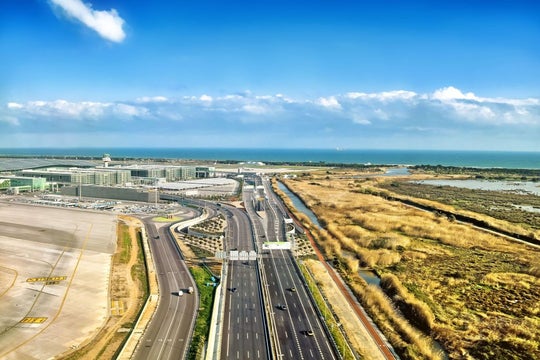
(355, 330)
(54, 278)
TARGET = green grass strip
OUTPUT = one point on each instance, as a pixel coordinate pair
(328, 317)
(202, 323)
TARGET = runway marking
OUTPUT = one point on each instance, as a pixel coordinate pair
(47, 279)
(33, 320)
(59, 310)
(118, 307)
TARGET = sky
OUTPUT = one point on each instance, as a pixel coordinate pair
(270, 74)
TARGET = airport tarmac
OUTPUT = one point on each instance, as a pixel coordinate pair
(54, 278)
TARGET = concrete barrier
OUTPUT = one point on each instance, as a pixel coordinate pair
(213, 347)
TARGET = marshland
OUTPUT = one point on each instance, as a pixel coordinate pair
(475, 293)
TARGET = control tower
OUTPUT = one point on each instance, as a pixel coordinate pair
(106, 160)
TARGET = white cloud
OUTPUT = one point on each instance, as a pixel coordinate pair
(108, 24)
(255, 109)
(130, 110)
(14, 105)
(451, 93)
(395, 95)
(447, 111)
(147, 99)
(79, 111)
(358, 119)
(329, 102)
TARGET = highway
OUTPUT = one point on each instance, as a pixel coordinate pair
(295, 330)
(169, 333)
(244, 327)
(298, 329)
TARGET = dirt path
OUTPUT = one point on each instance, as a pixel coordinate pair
(358, 336)
(377, 343)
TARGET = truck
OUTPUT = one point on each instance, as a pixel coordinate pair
(190, 290)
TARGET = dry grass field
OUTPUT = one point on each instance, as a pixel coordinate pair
(475, 293)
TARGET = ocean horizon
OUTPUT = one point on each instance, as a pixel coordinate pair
(461, 158)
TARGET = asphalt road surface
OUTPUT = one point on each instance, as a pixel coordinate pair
(297, 327)
(169, 333)
(244, 326)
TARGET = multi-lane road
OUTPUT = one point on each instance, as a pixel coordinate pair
(268, 312)
(169, 333)
(299, 332)
(244, 327)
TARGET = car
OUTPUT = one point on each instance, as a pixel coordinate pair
(282, 306)
(233, 289)
(293, 289)
(309, 332)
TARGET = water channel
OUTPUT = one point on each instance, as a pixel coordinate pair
(368, 275)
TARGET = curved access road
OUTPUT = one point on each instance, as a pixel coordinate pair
(169, 333)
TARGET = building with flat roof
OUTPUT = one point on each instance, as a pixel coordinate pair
(98, 176)
(169, 173)
(112, 192)
(23, 183)
(202, 172)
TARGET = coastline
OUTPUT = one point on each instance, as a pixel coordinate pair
(310, 157)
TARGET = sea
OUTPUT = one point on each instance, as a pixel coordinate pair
(481, 159)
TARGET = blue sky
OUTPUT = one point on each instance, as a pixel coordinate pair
(283, 74)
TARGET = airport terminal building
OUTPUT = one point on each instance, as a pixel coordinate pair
(98, 176)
